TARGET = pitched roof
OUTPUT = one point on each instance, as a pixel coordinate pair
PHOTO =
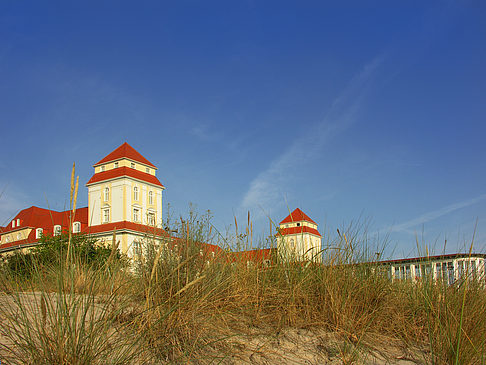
(35, 217)
(124, 171)
(256, 255)
(299, 230)
(297, 216)
(125, 151)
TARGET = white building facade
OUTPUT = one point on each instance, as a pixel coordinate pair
(298, 238)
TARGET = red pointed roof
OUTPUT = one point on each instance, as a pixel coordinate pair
(297, 216)
(125, 151)
(124, 171)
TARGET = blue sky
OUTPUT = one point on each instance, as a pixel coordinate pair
(371, 111)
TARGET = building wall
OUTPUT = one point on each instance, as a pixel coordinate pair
(448, 270)
(16, 235)
(123, 200)
(299, 246)
(126, 163)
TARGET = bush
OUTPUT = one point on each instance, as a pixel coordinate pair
(52, 250)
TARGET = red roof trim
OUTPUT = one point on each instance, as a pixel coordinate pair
(124, 171)
(297, 216)
(433, 258)
(125, 151)
(110, 227)
(299, 230)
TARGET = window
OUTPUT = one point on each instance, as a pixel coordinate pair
(102, 168)
(298, 224)
(418, 273)
(460, 267)
(76, 227)
(107, 194)
(151, 219)
(57, 230)
(135, 193)
(147, 170)
(18, 222)
(292, 244)
(115, 165)
(13, 223)
(38, 233)
(106, 215)
(132, 165)
(136, 214)
(151, 197)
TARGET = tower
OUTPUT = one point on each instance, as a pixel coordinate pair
(124, 194)
(298, 238)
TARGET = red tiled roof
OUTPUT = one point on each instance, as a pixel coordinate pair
(124, 171)
(110, 227)
(257, 255)
(296, 216)
(299, 230)
(35, 217)
(125, 151)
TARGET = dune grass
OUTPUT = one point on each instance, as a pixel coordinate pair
(179, 304)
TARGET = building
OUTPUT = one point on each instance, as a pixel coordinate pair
(446, 268)
(124, 196)
(30, 224)
(298, 238)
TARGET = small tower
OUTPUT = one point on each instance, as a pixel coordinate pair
(124, 194)
(298, 238)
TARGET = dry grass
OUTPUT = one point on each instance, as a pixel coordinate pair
(175, 307)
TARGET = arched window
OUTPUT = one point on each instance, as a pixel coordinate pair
(107, 194)
(57, 230)
(151, 197)
(135, 193)
(76, 227)
(38, 233)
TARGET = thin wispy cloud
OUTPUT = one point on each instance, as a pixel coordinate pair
(268, 188)
(430, 216)
(11, 202)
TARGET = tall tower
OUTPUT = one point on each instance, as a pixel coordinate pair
(124, 194)
(298, 238)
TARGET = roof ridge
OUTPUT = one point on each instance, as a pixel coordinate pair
(297, 216)
(125, 151)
